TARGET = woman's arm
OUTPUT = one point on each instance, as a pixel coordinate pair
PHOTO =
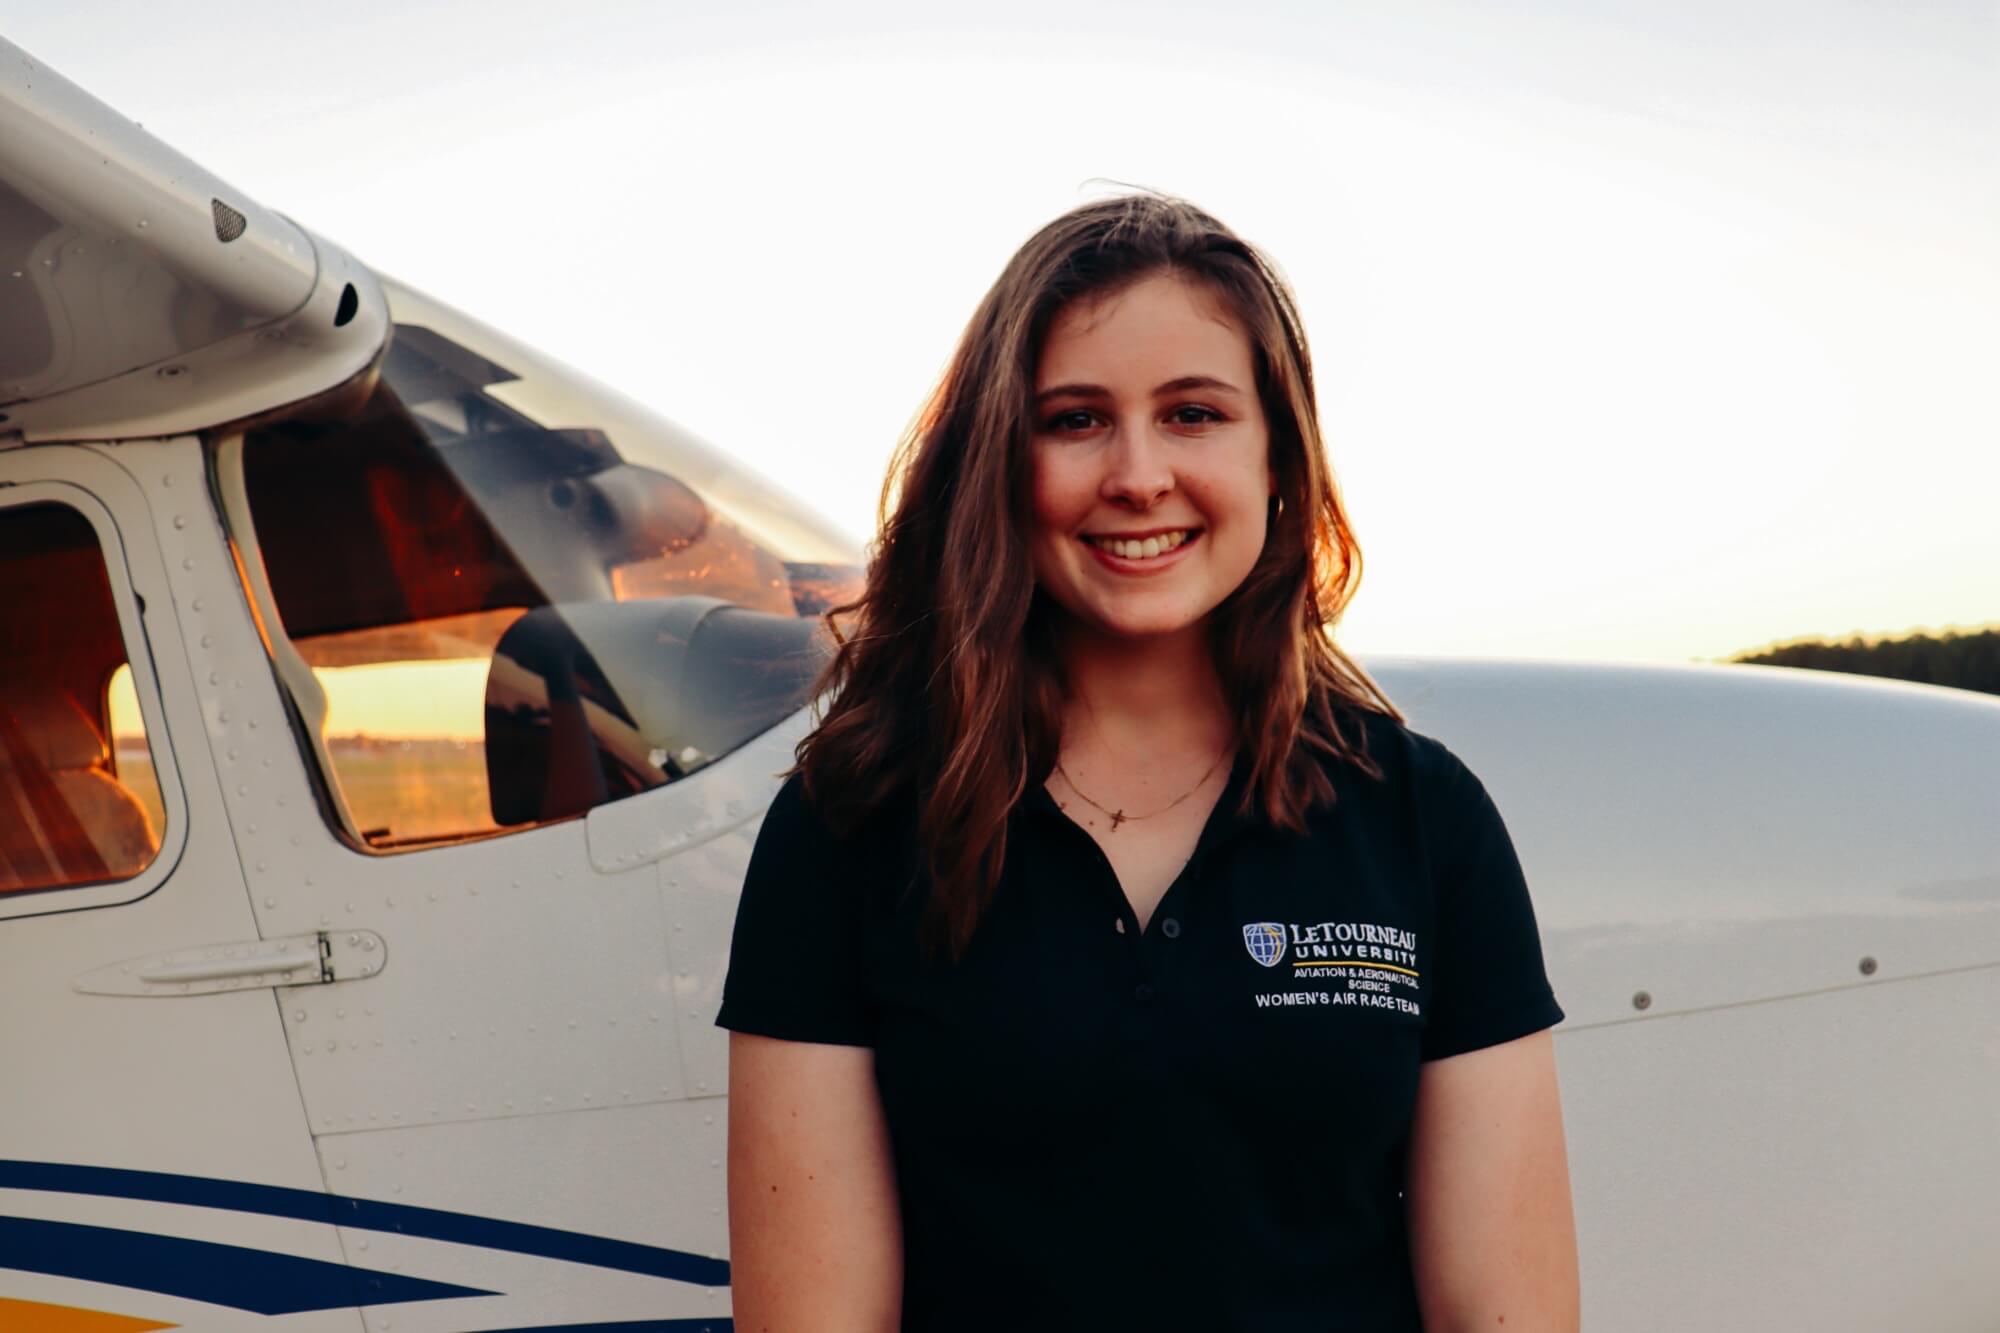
(1492, 1237)
(815, 1232)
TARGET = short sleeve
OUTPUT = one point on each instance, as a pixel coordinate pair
(1489, 983)
(795, 953)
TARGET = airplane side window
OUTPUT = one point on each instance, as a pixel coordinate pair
(79, 802)
(131, 752)
(517, 597)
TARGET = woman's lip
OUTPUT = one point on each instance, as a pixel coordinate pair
(1138, 536)
(1155, 565)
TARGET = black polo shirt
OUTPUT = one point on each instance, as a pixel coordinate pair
(1198, 1126)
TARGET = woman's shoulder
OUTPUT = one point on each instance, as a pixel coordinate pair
(1390, 742)
(793, 814)
(858, 848)
(1412, 762)
(804, 809)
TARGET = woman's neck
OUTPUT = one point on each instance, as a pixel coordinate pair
(1142, 699)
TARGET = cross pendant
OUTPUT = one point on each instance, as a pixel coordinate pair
(1117, 818)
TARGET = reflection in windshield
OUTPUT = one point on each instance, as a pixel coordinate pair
(519, 595)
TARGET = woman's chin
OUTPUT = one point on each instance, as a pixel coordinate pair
(1138, 629)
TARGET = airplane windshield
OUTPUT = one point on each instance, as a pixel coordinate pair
(508, 594)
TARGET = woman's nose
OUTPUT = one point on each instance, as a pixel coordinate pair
(1137, 469)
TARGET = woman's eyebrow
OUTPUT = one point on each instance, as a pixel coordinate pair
(1181, 385)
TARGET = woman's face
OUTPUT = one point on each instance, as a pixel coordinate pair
(1151, 459)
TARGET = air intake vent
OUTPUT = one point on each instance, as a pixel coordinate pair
(229, 223)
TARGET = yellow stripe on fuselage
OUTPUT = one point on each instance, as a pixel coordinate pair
(35, 1317)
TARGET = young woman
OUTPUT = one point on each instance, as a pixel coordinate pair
(1115, 958)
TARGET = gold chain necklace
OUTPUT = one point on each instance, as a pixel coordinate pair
(1119, 816)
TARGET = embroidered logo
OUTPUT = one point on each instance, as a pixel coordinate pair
(1373, 966)
(1266, 942)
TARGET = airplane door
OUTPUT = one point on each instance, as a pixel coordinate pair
(156, 1167)
(497, 1093)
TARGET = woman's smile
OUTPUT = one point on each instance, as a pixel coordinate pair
(1153, 553)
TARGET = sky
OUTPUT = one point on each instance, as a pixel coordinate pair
(1644, 331)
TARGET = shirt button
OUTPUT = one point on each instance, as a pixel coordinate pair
(1170, 928)
(1143, 993)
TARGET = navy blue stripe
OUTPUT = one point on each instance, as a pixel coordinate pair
(367, 1215)
(162, 1187)
(630, 1326)
(199, 1270)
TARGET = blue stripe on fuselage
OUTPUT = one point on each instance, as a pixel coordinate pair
(367, 1215)
(199, 1270)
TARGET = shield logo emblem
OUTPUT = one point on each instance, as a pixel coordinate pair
(1266, 942)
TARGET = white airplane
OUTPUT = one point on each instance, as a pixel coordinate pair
(386, 715)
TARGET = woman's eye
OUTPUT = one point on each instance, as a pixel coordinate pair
(1078, 420)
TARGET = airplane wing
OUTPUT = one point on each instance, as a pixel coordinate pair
(143, 295)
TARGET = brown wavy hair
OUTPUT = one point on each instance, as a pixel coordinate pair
(946, 687)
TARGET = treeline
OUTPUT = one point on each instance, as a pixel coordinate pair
(1967, 661)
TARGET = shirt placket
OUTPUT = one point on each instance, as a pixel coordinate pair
(1151, 965)
(1151, 958)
